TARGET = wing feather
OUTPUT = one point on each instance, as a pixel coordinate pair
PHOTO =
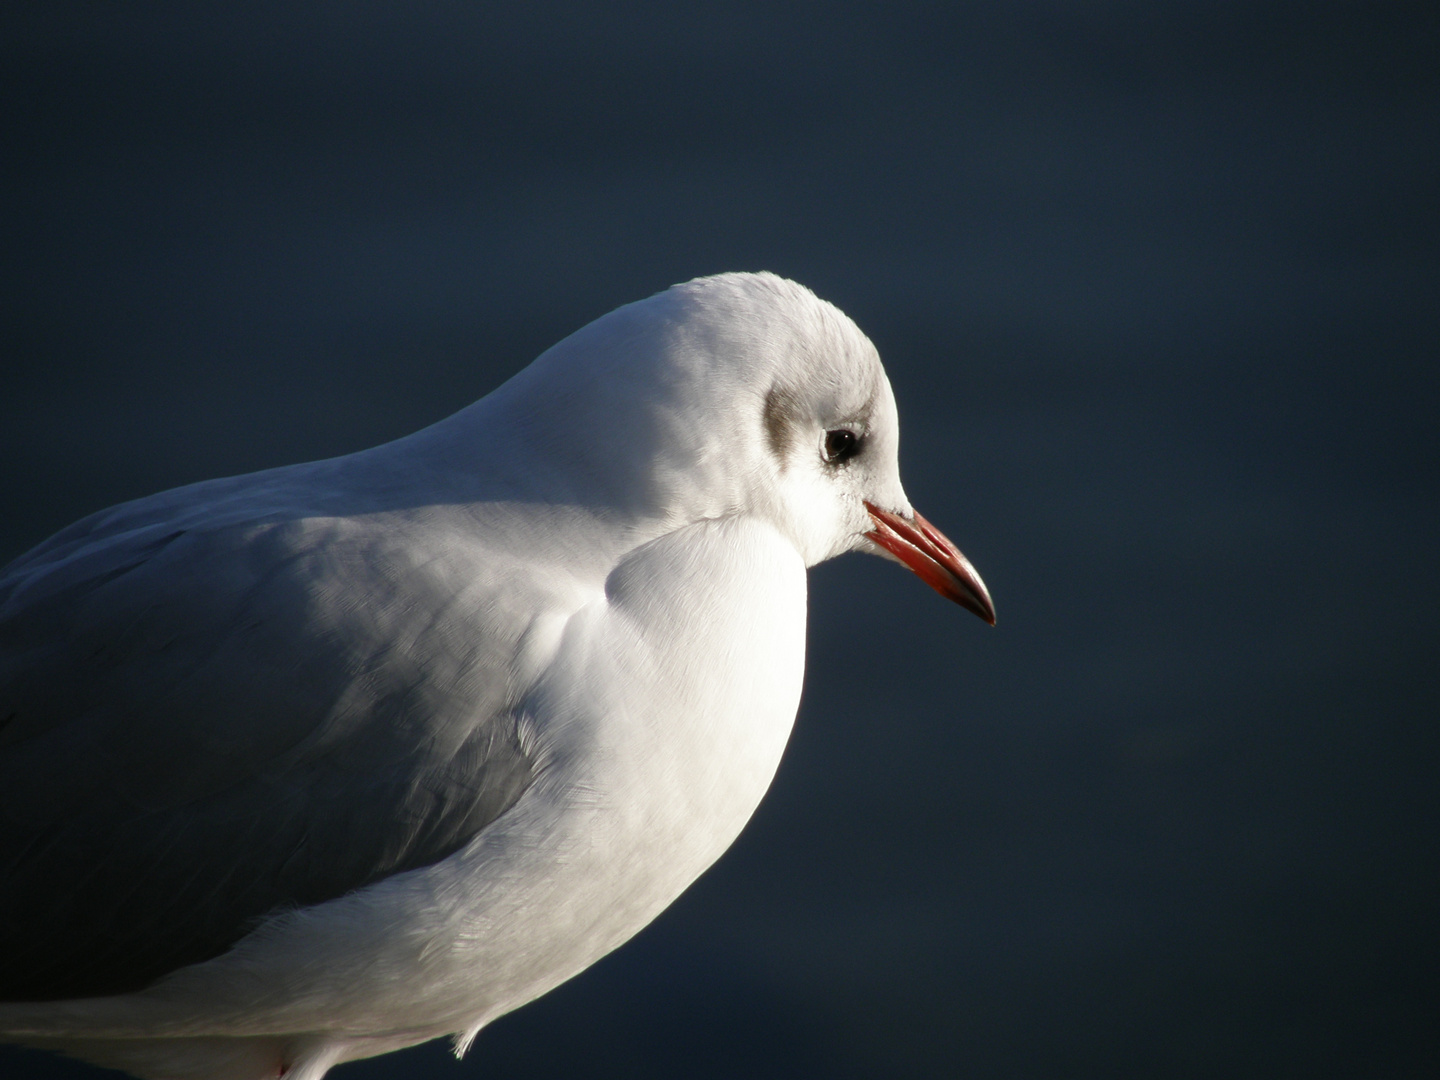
(203, 723)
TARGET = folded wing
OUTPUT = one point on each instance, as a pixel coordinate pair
(202, 723)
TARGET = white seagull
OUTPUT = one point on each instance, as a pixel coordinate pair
(324, 761)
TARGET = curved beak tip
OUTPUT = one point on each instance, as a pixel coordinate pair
(930, 554)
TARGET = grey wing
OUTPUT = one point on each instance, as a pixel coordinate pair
(199, 726)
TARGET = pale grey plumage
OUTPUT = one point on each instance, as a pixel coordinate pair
(196, 734)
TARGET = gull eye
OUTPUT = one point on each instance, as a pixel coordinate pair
(840, 445)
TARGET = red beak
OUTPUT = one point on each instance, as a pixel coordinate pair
(925, 549)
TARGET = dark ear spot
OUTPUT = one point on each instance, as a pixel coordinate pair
(782, 421)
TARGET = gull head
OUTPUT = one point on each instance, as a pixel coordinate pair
(735, 394)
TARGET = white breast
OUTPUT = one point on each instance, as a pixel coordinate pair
(662, 721)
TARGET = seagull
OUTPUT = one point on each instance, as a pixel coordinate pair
(320, 762)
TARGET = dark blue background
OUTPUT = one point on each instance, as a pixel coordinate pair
(1156, 285)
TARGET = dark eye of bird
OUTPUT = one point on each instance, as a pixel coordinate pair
(840, 444)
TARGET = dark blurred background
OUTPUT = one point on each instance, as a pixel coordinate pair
(1156, 284)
